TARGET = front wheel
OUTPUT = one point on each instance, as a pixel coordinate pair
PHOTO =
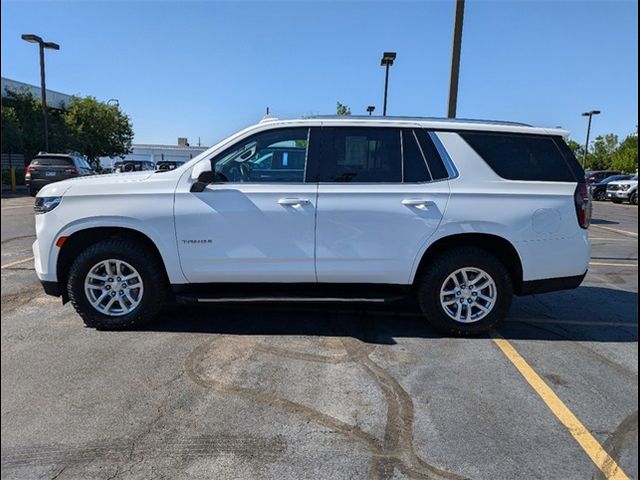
(465, 291)
(600, 196)
(633, 199)
(116, 284)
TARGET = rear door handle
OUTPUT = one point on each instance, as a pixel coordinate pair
(293, 201)
(418, 202)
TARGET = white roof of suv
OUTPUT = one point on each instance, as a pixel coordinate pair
(425, 122)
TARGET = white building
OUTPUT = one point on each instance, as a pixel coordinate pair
(54, 99)
(183, 152)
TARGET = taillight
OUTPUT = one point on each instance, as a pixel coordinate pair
(582, 199)
(29, 170)
(72, 170)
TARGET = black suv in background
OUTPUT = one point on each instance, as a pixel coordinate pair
(46, 168)
(169, 164)
(133, 166)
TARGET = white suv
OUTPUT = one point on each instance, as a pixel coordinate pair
(622, 190)
(459, 214)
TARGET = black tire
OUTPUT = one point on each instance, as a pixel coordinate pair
(144, 261)
(600, 196)
(633, 199)
(435, 275)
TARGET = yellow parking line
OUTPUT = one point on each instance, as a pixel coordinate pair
(578, 431)
(605, 264)
(623, 232)
(17, 262)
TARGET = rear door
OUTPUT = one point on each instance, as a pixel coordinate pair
(382, 193)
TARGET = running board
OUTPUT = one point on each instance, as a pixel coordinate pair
(195, 299)
(302, 293)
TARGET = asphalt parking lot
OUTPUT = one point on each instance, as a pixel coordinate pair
(287, 392)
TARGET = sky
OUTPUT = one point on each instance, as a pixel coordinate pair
(205, 69)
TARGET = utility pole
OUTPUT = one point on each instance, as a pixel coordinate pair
(455, 59)
(589, 114)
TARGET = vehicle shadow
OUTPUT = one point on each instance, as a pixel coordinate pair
(593, 314)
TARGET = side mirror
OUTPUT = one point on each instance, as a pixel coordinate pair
(204, 179)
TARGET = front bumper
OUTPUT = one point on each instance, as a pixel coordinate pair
(51, 288)
(618, 194)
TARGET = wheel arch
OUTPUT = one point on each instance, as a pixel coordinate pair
(496, 245)
(81, 239)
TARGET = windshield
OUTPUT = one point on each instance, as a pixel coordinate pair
(613, 178)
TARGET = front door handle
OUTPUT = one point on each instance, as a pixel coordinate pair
(418, 202)
(293, 201)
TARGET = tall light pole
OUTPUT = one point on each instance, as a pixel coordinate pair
(586, 143)
(455, 59)
(387, 61)
(28, 37)
(370, 109)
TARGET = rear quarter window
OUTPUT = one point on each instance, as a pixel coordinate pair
(537, 158)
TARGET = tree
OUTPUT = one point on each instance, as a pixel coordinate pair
(603, 149)
(625, 158)
(11, 132)
(97, 129)
(342, 109)
(29, 117)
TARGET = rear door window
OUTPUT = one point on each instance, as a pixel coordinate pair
(360, 155)
(526, 157)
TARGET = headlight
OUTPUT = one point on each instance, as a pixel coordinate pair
(625, 187)
(46, 204)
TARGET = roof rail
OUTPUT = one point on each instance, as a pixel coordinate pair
(419, 119)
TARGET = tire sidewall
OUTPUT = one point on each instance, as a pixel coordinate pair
(429, 291)
(152, 294)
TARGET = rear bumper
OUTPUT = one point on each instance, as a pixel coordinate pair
(547, 285)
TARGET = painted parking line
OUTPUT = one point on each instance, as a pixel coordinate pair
(607, 264)
(17, 262)
(578, 431)
(623, 232)
(28, 205)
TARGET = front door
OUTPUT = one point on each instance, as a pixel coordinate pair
(382, 194)
(256, 222)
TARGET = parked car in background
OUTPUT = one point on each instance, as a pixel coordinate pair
(599, 175)
(133, 166)
(460, 215)
(168, 164)
(46, 168)
(624, 191)
(599, 190)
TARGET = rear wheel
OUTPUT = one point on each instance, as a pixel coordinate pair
(465, 291)
(116, 284)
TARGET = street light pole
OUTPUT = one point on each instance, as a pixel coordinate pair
(370, 109)
(43, 88)
(387, 61)
(589, 114)
(455, 59)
